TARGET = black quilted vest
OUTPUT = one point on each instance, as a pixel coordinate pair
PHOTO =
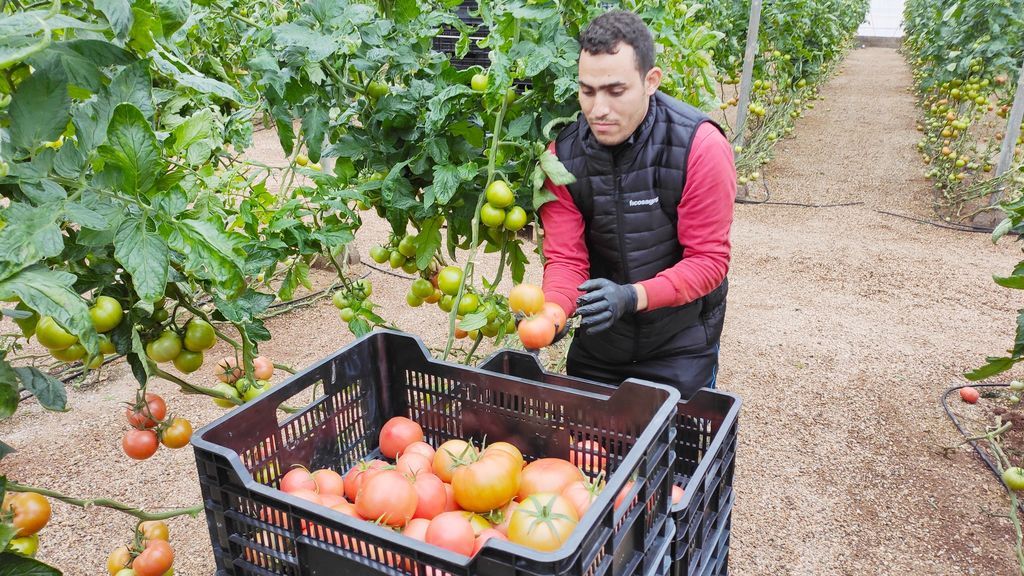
(628, 195)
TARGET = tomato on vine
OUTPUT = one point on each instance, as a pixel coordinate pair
(199, 335)
(177, 434)
(139, 444)
(106, 313)
(30, 512)
(449, 279)
(52, 336)
(165, 348)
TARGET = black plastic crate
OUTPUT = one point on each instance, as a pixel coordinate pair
(343, 401)
(706, 428)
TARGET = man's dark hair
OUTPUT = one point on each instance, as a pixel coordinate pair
(605, 32)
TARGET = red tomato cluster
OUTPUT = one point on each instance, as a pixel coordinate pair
(457, 497)
(150, 553)
(544, 320)
(150, 427)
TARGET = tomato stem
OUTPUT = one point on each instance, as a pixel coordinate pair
(107, 503)
(191, 388)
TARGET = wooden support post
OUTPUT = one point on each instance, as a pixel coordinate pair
(1010, 139)
(747, 79)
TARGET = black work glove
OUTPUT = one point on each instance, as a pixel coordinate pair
(604, 303)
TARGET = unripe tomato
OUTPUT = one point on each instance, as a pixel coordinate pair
(479, 82)
(188, 362)
(262, 368)
(346, 314)
(448, 280)
(106, 313)
(421, 288)
(25, 546)
(118, 560)
(229, 391)
(302, 160)
(1014, 478)
(253, 390)
(379, 254)
(491, 216)
(165, 348)
(515, 219)
(178, 434)
(499, 194)
(469, 303)
(377, 89)
(397, 260)
(52, 336)
(70, 354)
(30, 511)
(407, 247)
(526, 299)
(106, 345)
(199, 335)
(154, 530)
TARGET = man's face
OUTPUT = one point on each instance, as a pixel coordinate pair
(613, 95)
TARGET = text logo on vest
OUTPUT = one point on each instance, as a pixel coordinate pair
(648, 202)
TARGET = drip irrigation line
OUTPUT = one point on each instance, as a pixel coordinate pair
(768, 201)
(948, 225)
(388, 272)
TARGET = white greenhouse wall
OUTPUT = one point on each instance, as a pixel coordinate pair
(885, 18)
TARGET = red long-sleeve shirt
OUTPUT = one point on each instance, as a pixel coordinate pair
(705, 217)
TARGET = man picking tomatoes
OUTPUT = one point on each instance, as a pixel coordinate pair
(640, 242)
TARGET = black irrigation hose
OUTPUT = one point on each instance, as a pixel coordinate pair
(388, 272)
(767, 200)
(956, 422)
(950, 226)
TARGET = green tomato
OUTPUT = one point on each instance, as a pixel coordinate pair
(479, 82)
(421, 288)
(449, 279)
(413, 300)
(25, 546)
(396, 260)
(515, 219)
(469, 303)
(27, 325)
(160, 315)
(407, 246)
(379, 254)
(188, 361)
(52, 336)
(199, 335)
(165, 348)
(510, 96)
(346, 314)
(491, 216)
(254, 390)
(377, 89)
(1017, 386)
(340, 300)
(410, 267)
(365, 287)
(106, 314)
(229, 391)
(107, 345)
(446, 302)
(499, 194)
(1013, 477)
(74, 352)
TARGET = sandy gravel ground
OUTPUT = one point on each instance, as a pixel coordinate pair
(844, 327)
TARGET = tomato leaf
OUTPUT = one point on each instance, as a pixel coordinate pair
(31, 235)
(359, 327)
(5, 449)
(1015, 282)
(144, 254)
(428, 241)
(439, 108)
(210, 252)
(314, 125)
(49, 293)
(9, 387)
(555, 170)
(119, 14)
(519, 126)
(132, 146)
(47, 389)
(12, 564)
(474, 321)
(41, 107)
(198, 127)
(245, 307)
(7, 532)
(173, 14)
(995, 365)
(517, 261)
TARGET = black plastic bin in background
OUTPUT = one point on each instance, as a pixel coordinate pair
(706, 426)
(342, 403)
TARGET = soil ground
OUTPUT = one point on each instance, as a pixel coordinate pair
(845, 325)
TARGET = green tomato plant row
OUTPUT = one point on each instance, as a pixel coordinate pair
(966, 57)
